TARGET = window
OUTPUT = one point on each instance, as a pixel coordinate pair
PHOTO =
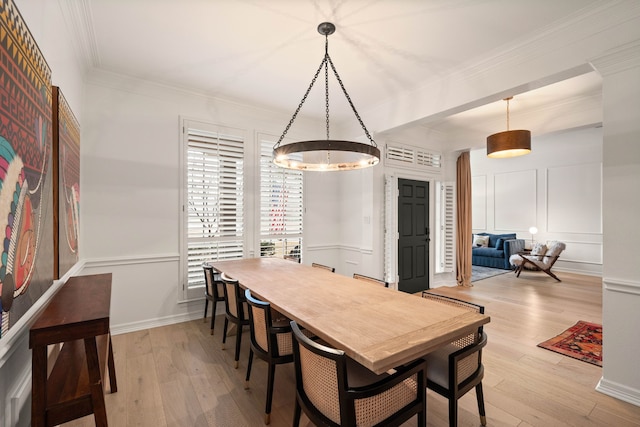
(214, 198)
(281, 206)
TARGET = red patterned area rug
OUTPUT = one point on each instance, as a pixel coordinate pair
(582, 341)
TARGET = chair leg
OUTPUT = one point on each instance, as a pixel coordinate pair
(270, 380)
(480, 397)
(422, 417)
(213, 316)
(246, 379)
(238, 342)
(453, 412)
(224, 331)
(552, 275)
(206, 307)
(296, 414)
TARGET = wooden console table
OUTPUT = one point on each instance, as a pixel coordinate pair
(78, 317)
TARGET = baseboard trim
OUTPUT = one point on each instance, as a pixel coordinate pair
(619, 391)
(19, 397)
(154, 323)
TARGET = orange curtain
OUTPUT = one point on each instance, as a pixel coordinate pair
(463, 224)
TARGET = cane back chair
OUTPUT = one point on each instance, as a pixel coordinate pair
(213, 291)
(334, 390)
(235, 312)
(455, 369)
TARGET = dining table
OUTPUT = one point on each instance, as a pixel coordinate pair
(381, 328)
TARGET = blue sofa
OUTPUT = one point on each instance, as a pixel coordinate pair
(497, 253)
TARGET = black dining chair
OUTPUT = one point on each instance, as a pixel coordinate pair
(334, 390)
(235, 312)
(325, 267)
(370, 280)
(270, 341)
(213, 291)
(456, 368)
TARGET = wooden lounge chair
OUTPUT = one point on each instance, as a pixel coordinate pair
(541, 262)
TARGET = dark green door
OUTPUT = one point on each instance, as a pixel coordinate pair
(413, 235)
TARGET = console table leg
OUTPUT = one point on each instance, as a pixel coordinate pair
(113, 384)
(95, 382)
(39, 386)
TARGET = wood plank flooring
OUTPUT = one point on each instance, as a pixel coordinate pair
(178, 375)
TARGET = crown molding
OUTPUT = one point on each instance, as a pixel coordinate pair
(620, 59)
(78, 18)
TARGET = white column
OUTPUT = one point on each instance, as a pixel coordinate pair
(620, 70)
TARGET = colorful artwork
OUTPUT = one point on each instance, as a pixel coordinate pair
(66, 193)
(26, 215)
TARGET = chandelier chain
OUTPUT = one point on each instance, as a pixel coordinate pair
(350, 102)
(326, 81)
(325, 62)
(304, 98)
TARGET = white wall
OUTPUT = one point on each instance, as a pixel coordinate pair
(556, 188)
(131, 190)
(621, 276)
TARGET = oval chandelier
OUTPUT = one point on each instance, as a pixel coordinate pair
(326, 154)
(510, 143)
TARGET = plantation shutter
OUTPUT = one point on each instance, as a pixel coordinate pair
(281, 206)
(215, 185)
(445, 219)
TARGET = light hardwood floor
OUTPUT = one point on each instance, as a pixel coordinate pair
(179, 376)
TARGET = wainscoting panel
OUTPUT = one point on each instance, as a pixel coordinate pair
(515, 200)
(572, 191)
(479, 202)
(582, 252)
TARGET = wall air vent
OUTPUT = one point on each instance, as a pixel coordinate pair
(412, 157)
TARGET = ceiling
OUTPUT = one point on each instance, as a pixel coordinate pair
(265, 53)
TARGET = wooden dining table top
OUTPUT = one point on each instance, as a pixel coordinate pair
(381, 328)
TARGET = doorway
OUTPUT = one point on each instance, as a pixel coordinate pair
(413, 235)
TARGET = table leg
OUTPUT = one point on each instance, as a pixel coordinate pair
(112, 369)
(95, 382)
(39, 386)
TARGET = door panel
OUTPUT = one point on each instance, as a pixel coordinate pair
(413, 235)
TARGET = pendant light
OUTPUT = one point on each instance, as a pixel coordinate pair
(510, 143)
(326, 154)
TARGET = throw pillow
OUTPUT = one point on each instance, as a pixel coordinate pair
(500, 244)
(539, 249)
(481, 241)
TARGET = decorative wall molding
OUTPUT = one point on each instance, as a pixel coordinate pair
(622, 58)
(570, 190)
(19, 395)
(620, 285)
(131, 260)
(619, 391)
(507, 214)
(77, 16)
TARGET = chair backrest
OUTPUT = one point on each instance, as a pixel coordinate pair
(326, 267)
(322, 387)
(469, 363)
(320, 375)
(265, 336)
(370, 280)
(552, 254)
(455, 302)
(213, 282)
(234, 300)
